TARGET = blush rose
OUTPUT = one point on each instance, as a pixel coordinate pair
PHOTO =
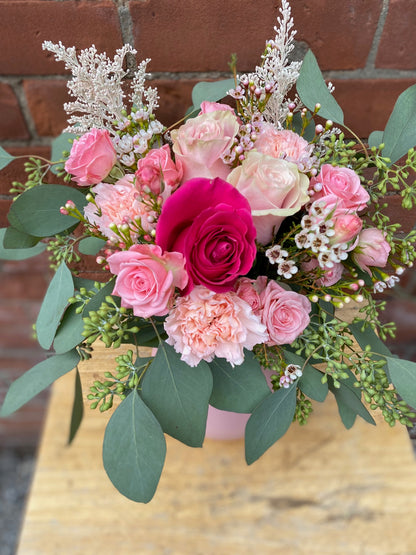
(202, 142)
(210, 223)
(92, 157)
(285, 313)
(284, 143)
(372, 249)
(146, 278)
(274, 188)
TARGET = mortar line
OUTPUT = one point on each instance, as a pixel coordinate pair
(377, 35)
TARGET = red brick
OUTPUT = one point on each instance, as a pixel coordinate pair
(12, 124)
(4, 209)
(339, 37)
(15, 170)
(398, 41)
(367, 103)
(46, 99)
(200, 36)
(77, 23)
(397, 214)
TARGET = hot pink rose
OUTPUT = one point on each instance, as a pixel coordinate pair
(205, 324)
(330, 276)
(286, 144)
(274, 188)
(372, 249)
(146, 278)
(210, 223)
(201, 143)
(285, 313)
(249, 290)
(342, 182)
(158, 172)
(92, 157)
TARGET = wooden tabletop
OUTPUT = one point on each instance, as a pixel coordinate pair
(320, 490)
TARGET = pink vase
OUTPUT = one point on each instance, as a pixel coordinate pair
(222, 424)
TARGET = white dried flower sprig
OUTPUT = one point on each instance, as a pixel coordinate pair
(97, 86)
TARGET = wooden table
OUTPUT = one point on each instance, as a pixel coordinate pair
(319, 490)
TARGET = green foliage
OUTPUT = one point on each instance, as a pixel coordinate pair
(62, 249)
(134, 449)
(36, 169)
(403, 376)
(60, 146)
(312, 90)
(400, 133)
(269, 422)
(210, 91)
(36, 211)
(77, 409)
(15, 239)
(91, 245)
(178, 395)
(303, 408)
(349, 404)
(238, 389)
(60, 289)
(18, 253)
(37, 379)
(5, 158)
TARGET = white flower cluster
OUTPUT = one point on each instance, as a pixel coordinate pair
(291, 374)
(128, 146)
(97, 86)
(317, 230)
(285, 268)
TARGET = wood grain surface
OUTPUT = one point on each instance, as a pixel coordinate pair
(320, 490)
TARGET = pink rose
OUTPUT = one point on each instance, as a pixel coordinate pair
(343, 183)
(330, 276)
(249, 290)
(207, 107)
(158, 172)
(146, 278)
(285, 313)
(274, 188)
(210, 223)
(286, 144)
(346, 227)
(205, 324)
(372, 249)
(92, 157)
(202, 142)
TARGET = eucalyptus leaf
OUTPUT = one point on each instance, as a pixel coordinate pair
(309, 131)
(365, 335)
(312, 90)
(134, 449)
(37, 379)
(269, 422)
(178, 395)
(15, 239)
(238, 389)
(91, 245)
(211, 91)
(60, 289)
(400, 132)
(375, 139)
(18, 254)
(349, 405)
(59, 145)
(5, 158)
(403, 376)
(77, 409)
(69, 332)
(36, 211)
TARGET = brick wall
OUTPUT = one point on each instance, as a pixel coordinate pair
(366, 48)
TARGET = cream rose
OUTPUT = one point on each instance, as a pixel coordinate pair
(274, 188)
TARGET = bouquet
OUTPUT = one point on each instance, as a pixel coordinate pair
(228, 243)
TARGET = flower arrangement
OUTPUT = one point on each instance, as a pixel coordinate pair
(229, 242)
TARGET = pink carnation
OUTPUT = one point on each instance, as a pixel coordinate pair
(158, 172)
(205, 324)
(92, 157)
(285, 144)
(285, 313)
(207, 107)
(146, 278)
(117, 204)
